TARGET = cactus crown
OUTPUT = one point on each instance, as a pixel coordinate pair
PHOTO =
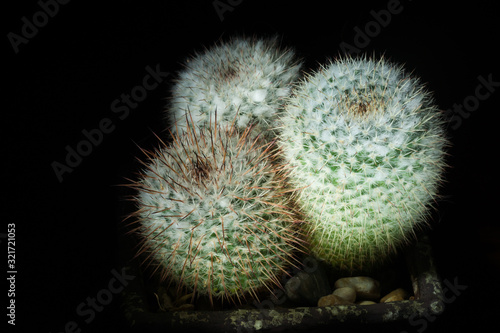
(244, 77)
(214, 212)
(367, 143)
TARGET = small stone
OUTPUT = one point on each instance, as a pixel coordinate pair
(183, 307)
(366, 287)
(292, 289)
(396, 295)
(332, 299)
(394, 298)
(306, 288)
(163, 299)
(366, 302)
(346, 293)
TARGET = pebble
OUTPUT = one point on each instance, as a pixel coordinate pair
(332, 299)
(366, 287)
(308, 287)
(366, 302)
(346, 293)
(183, 307)
(163, 299)
(396, 295)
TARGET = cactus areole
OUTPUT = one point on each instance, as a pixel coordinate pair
(366, 143)
(213, 213)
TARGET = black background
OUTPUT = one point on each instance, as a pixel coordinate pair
(66, 77)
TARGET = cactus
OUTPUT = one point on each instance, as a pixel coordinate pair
(243, 79)
(214, 213)
(367, 145)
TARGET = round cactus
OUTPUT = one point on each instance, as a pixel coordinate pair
(244, 80)
(367, 145)
(214, 213)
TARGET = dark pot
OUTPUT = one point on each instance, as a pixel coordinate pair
(426, 303)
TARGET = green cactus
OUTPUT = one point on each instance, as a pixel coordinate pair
(367, 145)
(214, 214)
(244, 79)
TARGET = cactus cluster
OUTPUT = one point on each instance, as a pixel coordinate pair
(245, 79)
(366, 143)
(214, 213)
(356, 150)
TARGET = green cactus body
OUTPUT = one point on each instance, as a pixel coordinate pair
(213, 213)
(367, 146)
(243, 81)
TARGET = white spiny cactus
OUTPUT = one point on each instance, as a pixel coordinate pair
(214, 214)
(243, 80)
(367, 145)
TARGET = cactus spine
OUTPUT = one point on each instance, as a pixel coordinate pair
(367, 143)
